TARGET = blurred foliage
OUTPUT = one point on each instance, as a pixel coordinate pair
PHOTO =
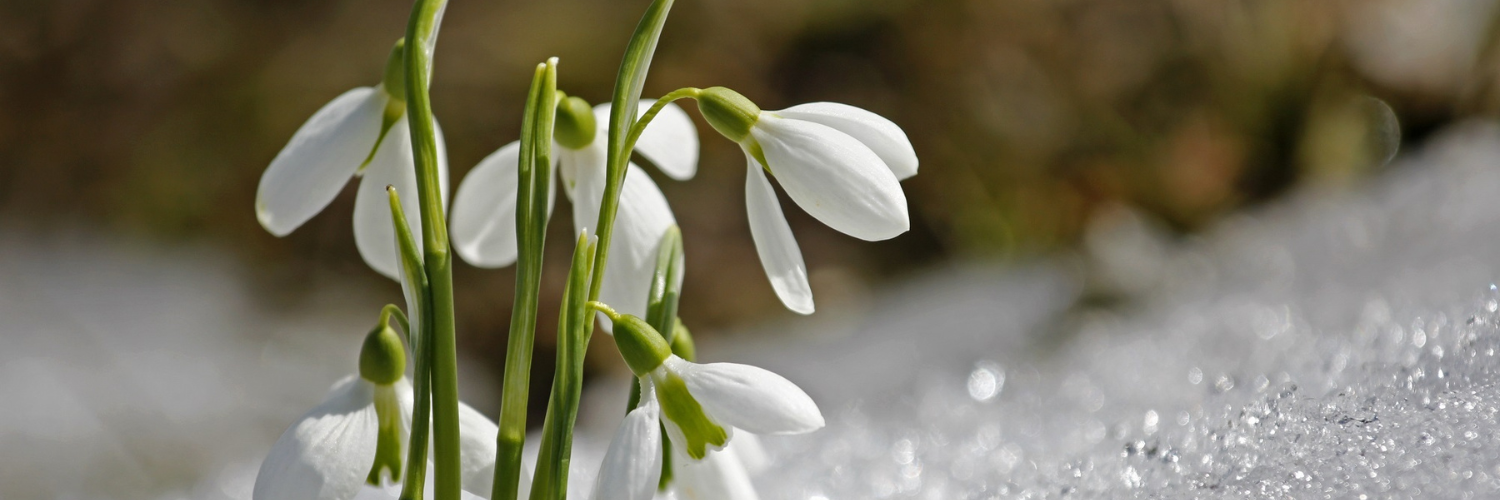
(158, 117)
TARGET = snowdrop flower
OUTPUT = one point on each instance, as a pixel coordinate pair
(357, 436)
(703, 404)
(722, 475)
(362, 133)
(484, 210)
(841, 164)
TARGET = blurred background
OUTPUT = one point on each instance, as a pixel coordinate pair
(133, 134)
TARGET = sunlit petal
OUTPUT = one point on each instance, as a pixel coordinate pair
(632, 465)
(719, 476)
(373, 232)
(321, 157)
(834, 177)
(876, 132)
(484, 212)
(748, 397)
(328, 453)
(643, 218)
(775, 243)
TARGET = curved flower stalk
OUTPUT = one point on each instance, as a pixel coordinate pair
(484, 221)
(704, 404)
(841, 164)
(361, 133)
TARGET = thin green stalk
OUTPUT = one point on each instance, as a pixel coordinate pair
(414, 285)
(394, 311)
(421, 35)
(555, 454)
(645, 120)
(531, 228)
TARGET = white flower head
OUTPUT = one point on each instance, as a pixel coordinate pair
(484, 209)
(841, 164)
(353, 444)
(704, 405)
(361, 133)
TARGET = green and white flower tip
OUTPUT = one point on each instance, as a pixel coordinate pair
(483, 224)
(704, 405)
(352, 444)
(841, 164)
(362, 133)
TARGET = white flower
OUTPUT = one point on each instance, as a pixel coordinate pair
(722, 475)
(329, 452)
(484, 210)
(841, 164)
(704, 404)
(330, 149)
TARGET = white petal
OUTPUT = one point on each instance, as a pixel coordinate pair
(632, 466)
(749, 398)
(778, 250)
(477, 450)
(484, 213)
(751, 453)
(328, 453)
(876, 132)
(719, 476)
(834, 177)
(642, 220)
(368, 492)
(321, 157)
(391, 166)
(373, 229)
(670, 141)
(582, 174)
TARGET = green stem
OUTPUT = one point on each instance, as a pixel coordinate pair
(555, 453)
(531, 228)
(421, 32)
(645, 120)
(622, 117)
(416, 285)
(394, 311)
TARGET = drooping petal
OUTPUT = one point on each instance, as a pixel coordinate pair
(779, 253)
(748, 397)
(321, 157)
(876, 132)
(484, 212)
(834, 177)
(328, 453)
(476, 449)
(373, 232)
(632, 465)
(643, 218)
(670, 141)
(391, 166)
(751, 452)
(719, 476)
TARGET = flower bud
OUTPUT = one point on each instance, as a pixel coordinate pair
(728, 112)
(575, 126)
(642, 347)
(382, 360)
(682, 342)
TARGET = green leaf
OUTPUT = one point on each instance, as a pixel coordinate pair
(551, 479)
(531, 228)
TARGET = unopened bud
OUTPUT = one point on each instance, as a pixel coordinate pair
(382, 360)
(575, 125)
(728, 112)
